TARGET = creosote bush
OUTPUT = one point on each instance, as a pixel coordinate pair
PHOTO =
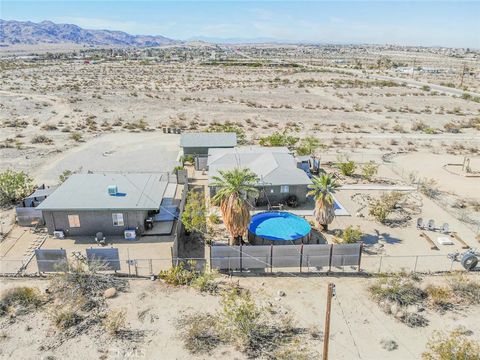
(21, 298)
(346, 166)
(454, 345)
(382, 207)
(187, 275)
(115, 321)
(14, 186)
(400, 289)
(369, 170)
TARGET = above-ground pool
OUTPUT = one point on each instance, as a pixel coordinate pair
(278, 228)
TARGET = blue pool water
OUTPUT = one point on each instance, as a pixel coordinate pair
(279, 226)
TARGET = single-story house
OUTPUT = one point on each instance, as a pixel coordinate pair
(198, 144)
(106, 202)
(278, 171)
(27, 212)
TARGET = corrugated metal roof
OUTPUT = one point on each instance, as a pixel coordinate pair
(136, 191)
(208, 139)
(274, 166)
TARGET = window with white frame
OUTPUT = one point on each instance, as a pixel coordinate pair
(117, 219)
(284, 189)
(73, 221)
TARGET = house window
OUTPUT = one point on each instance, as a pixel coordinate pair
(73, 221)
(117, 219)
(284, 189)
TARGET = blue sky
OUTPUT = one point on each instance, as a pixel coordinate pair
(445, 23)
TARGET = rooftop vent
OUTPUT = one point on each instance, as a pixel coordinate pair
(112, 190)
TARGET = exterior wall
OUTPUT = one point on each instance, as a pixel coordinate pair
(92, 222)
(275, 196)
(202, 150)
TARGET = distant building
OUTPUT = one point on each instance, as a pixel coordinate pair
(110, 203)
(198, 144)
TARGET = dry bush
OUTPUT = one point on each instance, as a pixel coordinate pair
(400, 289)
(42, 139)
(240, 322)
(382, 207)
(466, 290)
(454, 345)
(65, 318)
(439, 297)
(115, 321)
(21, 299)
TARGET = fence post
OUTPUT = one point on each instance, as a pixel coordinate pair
(330, 258)
(271, 258)
(150, 266)
(416, 261)
(360, 256)
(380, 265)
(241, 258)
(301, 257)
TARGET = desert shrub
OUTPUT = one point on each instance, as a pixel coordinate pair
(308, 145)
(64, 176)
(115, 321)
(400, 289)
(199, 333)
(455, 345)
(187, 275)
(194, 214)
(414, 320)
(86, 283)
(42, 139)
(14, 186)
(439, 297)
(350, 235)
(25, 298)
(66, 318)
(279, 139)
(382, 207)
(369, 170)
(346, 166)
(76, 136)
(418, 126)
(294, 350)
(466, 290)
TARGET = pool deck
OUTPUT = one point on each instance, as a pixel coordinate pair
(304, 209)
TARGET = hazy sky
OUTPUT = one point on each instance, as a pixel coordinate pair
(446, 23)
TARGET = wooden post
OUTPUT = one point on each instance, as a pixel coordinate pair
(326, 335)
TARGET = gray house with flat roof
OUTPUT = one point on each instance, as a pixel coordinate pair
(198, 143)
(277, 170)
(105, 202)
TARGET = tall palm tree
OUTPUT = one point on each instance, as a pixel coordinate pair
(232, 187)
(322, 191)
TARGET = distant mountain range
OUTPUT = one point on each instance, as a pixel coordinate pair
(46, 32)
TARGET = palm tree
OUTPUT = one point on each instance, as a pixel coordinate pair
(322, 189)
(232, 187)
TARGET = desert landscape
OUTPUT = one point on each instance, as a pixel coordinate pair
(397, 126)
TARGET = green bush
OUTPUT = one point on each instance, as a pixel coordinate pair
(187, 275)
(14, 186)
(382, 207)
(279, 139)
(76, 136)
(194, 214)
(351, 235)
(230, 127)
(308, 146)
(347, 167)
(369, 170)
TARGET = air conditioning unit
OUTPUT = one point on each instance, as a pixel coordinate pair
(59, 234)
(130, 234)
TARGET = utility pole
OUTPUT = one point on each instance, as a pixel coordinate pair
(326, 333)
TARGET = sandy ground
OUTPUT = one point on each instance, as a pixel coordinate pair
(358, 325)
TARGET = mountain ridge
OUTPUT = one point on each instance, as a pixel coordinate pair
(14, 32)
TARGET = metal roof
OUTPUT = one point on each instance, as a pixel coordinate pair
(274, 166)
(208, 139)
(136, 191)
